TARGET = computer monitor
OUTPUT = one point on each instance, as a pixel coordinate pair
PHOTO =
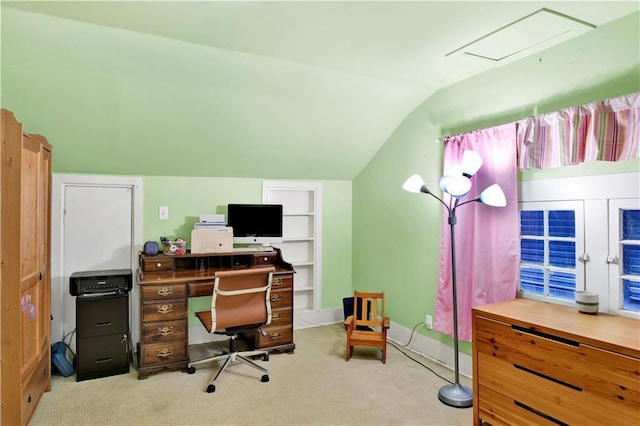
(255, 223)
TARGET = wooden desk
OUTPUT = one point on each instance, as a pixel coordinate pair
(166, 283)
(541, 363)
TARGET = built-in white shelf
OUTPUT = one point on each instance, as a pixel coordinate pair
(301, 224)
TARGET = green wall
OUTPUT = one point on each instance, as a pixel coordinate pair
(188, 197)
(396, 234)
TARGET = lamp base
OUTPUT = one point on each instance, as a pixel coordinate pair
(456, 395)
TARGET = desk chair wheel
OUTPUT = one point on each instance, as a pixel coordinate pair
(264, 379)
(191, 370)
(211, 388)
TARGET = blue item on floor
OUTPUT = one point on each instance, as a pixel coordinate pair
(63, 359)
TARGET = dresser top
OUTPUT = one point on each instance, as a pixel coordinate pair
(612, 332)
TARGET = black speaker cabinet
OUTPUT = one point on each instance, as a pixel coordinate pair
(102, 335)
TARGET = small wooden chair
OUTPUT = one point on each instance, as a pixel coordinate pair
(365, 327)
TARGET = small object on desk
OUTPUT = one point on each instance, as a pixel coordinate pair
(174, 248)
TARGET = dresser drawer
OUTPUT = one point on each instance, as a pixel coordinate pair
(35, 386)
(163, 353)
(281, 316)
(281, 298)
(169, 291)
(166, 331)
(557, 376)
(498, 410)
(275, 335)
(164, 310)
(281, 281)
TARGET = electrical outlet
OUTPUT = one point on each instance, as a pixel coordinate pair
(428, 321)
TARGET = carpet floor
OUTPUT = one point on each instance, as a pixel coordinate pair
(314, 385)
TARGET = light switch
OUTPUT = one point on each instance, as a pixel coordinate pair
(163, 213)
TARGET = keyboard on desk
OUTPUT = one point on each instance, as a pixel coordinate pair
(266, 248)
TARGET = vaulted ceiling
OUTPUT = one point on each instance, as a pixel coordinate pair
(239, 88)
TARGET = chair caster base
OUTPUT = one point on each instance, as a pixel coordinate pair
(191, 370)
(264, 379)
(211, 388)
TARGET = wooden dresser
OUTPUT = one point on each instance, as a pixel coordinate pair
(166, 283)
(541, 363)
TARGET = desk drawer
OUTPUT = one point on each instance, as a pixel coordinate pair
(281, 316)
(201, 288)
(166, 331)
(281, 281)
(169, 291)
(164, 310)
(275, 335)
(264, 259)
(281, 298)
(151, 264)
(163, 353)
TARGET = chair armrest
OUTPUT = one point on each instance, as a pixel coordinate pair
(349, 322)
(386, 323)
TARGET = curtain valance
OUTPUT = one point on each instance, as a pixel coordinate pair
(607, 130)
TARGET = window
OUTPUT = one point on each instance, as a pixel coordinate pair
(551, 244)
(624, 255)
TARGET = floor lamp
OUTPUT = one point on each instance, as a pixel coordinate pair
(457, 187)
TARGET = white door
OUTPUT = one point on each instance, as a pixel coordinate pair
(96, 227)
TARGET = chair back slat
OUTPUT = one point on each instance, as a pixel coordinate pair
(368, 308)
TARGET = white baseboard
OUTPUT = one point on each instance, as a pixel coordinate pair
(423, 345)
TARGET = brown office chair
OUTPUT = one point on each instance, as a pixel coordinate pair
(365, 327)
(240, 301)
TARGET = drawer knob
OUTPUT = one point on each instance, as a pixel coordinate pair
(165, 331)
(164, 352)
(276, 297)
(275, 317)
(165, 309)
(275, 335)
(276, 281)
(158, 265)
(164, 291)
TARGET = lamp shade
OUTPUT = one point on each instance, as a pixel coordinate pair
(471, 162)
(415, 184)
(458, 186)
(493, 196)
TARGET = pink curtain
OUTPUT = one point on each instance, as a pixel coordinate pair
(606, 130)
(487, 251)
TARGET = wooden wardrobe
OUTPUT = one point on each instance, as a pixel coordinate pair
(25, 277)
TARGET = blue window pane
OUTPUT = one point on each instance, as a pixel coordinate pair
(532, 223)
(631, 295)
(631, 225)
(562, 254)
(562, 223)
(532, 251)
(631, 259)
(532, 280)
(562, 285)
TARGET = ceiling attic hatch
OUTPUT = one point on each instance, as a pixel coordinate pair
(525, 36)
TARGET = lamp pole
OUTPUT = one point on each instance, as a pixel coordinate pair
(454, 394)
